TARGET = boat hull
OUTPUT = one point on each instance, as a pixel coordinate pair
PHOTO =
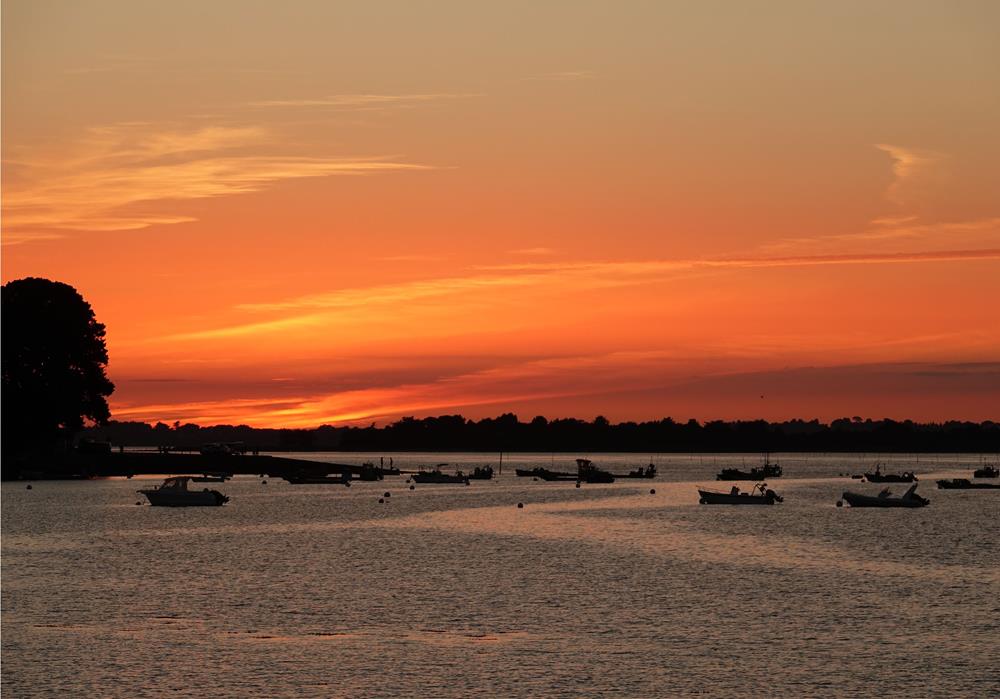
(545, 474)
(890, 478)
(962, 484)
(190, 498)
(438, 478)
(858, 500)
(708, 497)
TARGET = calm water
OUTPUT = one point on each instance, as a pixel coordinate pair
(450, 590)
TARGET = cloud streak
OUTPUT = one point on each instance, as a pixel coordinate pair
(132, 176)
(662, 382)
(319, 310)
(979, 232)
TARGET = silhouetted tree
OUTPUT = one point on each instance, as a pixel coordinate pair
(54, 362)
(455, 433)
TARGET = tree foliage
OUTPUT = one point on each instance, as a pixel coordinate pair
(507, 433)
(54, 364)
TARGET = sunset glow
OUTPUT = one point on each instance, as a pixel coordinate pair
(350, 212)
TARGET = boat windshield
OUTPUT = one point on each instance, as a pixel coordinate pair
(179, 483)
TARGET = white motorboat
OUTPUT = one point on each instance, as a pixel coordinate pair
(173, 492)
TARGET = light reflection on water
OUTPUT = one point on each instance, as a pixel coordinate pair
(449, 590)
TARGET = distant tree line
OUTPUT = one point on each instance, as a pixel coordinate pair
(507, 433)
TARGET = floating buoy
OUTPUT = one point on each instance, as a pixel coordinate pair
(578, 484)
(534, 479)
(29, 487)
(386, 494)
(347, 484)
(520, 505)
(381, 501)
(412, 487)
(408, 480)
(652, 491)
(263, 482)
(840, 503)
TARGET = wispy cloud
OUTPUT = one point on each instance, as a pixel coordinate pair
(349, 304)
(979, 232)
(509, 381)
(533, 251)
(654, 266)
(667, 382)
(131, 176)
(397, 293)
(909, 167)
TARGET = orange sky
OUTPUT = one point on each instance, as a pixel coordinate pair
(353, 211)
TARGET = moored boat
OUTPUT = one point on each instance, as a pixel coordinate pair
(173, 492)
(437, 476)
(757, 473)
(546, 475)
(987, 471)
(877, 476)
(481, 473)
(965, 484)
(368, 472)
(754, 474)
(886, 499)
(588, 473)
(641, 472)
(760, 494)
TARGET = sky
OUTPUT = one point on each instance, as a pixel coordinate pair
(313, 212)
